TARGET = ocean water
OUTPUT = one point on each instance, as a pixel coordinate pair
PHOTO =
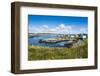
(35, 41)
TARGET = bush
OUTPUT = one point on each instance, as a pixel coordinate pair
(51, 53)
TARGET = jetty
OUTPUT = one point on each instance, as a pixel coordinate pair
(56, 40)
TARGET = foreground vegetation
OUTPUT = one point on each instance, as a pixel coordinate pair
(50, 53)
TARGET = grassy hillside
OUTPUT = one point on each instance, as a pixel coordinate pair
(50, 53)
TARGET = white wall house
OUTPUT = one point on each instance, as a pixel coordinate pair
(83, 36)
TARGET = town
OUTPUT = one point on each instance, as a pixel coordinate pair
(67, 39)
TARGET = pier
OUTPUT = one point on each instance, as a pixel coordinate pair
(56, 40)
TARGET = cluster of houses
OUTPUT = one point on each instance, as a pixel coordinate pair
(80, 36)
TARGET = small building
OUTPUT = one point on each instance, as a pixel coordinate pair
(72, 35)
(83, 36)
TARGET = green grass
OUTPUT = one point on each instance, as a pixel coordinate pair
(48, 53)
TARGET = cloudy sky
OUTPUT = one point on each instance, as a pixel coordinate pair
(57, 24)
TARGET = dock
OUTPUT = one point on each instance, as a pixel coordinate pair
(56, 40)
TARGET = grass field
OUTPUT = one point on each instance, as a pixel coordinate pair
(51, 53)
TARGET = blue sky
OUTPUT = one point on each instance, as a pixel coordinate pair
(57, 24)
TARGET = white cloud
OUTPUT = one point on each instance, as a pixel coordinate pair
(34, 29)
(45, 26)
(52, 31)
(83, 30)
(69, 27)
(62, 28)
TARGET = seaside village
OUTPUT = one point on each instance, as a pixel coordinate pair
(68, 39)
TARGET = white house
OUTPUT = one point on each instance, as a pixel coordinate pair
(72, 36)
(83, 36)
